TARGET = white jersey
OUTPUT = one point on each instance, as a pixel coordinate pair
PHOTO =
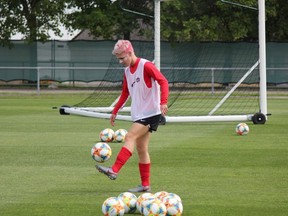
(145, 101)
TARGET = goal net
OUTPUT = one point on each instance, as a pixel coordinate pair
(207, 81)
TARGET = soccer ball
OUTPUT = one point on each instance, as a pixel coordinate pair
(154, 208)
(101, 152)
(106, 135)
(160, 194)
(173, 205)
(146, 202)
(113, 206)
(242, 129)
(172, 195)
(119, 135)
(141, 198)
(129, 200)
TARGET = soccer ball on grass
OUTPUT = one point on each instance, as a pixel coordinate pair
(106, 135)
(160, 194)
(142, 198)
(113, 206)
(173, 204)
(154, 208)
(129, 200)
(174, 207)
(242, 129)
(119, 135)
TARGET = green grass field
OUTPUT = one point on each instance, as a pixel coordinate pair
(46, 167)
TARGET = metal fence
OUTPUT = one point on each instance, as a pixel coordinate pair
(89, 61)
(45, 76)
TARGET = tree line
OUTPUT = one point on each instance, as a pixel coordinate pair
(181, 20)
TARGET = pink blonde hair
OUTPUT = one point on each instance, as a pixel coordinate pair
(122, 46)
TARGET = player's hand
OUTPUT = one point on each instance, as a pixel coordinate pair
(164, 109)
(112, 119)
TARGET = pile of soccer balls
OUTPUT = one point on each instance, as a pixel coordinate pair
(101, 151)
(159, 204)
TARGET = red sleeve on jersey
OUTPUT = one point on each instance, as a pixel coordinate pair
(123, 98)
(151, 71)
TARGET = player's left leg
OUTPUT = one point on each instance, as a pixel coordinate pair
(144, 163)
(142, 144)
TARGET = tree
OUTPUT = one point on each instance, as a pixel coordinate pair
(31, 18)
(104, 18)
(277, 18)
(211, 20)
(215, 20)
(181, 20)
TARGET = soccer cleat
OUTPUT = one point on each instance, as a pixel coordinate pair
(107, 171)
(140, 188)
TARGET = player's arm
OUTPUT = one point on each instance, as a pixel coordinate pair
(121, 102)
(152, 71)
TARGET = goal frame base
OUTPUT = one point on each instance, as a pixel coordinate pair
(257, 118)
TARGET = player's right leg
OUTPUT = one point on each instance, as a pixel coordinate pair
(136, 130)
(107, 171)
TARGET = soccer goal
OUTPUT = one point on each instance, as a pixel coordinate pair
(209, 82)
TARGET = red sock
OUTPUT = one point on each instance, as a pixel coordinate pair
(121, 159)
(145, 174)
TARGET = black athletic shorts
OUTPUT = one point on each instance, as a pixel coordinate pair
(152, 122)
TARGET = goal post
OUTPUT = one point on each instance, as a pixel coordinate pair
(262, 56)
(157, 30)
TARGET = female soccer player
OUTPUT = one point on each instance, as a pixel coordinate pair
(148, 89)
